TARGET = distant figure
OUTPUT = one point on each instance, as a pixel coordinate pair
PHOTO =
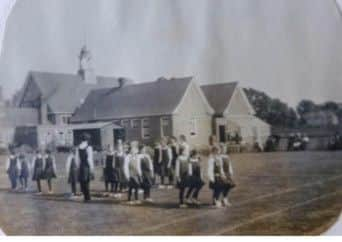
(146, 167)
(38, 165)
(175, 152)
(24, 172)
(119, 166)
(305, 142)
(196, 178)
(182, 175)
(12, 169)
(157, 160)
(109, 171)
(72, 170)
(291, 140)
(133, 173)
(165, 164)
(184, 146)
(50, 171)
(86, 166)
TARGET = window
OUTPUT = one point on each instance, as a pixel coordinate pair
(145, 129)
(164, 125)
(193, 127)
(65, 119)
(135, 123)
(125, 124)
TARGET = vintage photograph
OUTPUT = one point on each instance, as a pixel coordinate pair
(175, 117)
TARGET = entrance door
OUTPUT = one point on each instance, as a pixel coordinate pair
(222, 133)
(119, 134)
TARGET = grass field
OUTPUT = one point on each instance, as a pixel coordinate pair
(277, 193)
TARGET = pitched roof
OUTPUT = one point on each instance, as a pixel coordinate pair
(65, 92)
(219, 95)
(145, 99)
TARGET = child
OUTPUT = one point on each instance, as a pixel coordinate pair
(165, 164)
(24, 172)
(85, 159)
(109, 173)
(119, 167)
(38, 165)
(182, 176)
(196, 178)
(157, 160)
(72, 171)
(49, 169)
(228, 181)
(217, 178)
(174, 150)
(12, 169)
(133, 173)
(146, 167)
(184, 146)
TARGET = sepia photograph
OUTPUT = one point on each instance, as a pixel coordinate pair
(170, 117)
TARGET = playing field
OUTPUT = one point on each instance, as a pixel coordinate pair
(276, 193)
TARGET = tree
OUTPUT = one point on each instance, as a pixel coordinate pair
(272, 111)
(306, 106)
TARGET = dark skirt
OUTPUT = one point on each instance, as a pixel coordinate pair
(134, 182)
(147, 181)
(196, 181)
(222, 183)
(157, 168)
(73, 176)
(110, 175)
(85, 174)
(24, 172)
(49, 174)
(13, 173)
(183, 182)
(38, 174)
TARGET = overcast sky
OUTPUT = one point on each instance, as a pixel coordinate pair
(291, 49)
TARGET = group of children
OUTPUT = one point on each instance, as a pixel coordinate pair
(43, 167)
(134, 168)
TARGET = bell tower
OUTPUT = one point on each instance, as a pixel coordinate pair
(86, 70)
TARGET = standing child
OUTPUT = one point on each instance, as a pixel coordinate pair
(38, 165)
(146, 167)
(157, 160)
(50, 170)
(196, 178)
(109, 173)
(228, 182)
(24, 172)
(12, 169)
(85, 159)
(166, 159)
(218, 178)
(182, 176)
(184, 146)
(133, 173)
(72, 171)
(174, 151)
(119, 167)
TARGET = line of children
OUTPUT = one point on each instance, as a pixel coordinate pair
(135, 169)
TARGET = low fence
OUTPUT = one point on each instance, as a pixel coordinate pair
(319, 137)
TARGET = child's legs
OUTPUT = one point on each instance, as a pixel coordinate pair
(106, 185)
(225, 191)
(181, 195)
(73, 187)
(39, 186)
(49, 182)
(196, 192)
(188, 194)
